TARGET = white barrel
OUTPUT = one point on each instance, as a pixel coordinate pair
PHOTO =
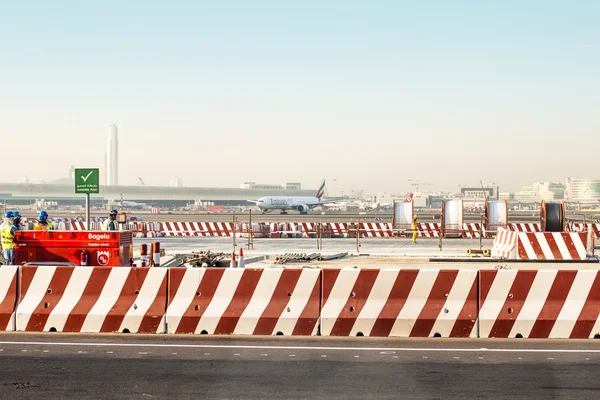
(453, 216)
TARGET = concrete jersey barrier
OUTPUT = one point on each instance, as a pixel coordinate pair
(539, 304)
(402, 303)
(277, 301)
(8, 296)
(92, 299)
(244, 301)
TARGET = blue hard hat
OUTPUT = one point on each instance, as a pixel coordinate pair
(9, 214)
(17, 214)
(114, 212)
(43, 216)
(44, 213)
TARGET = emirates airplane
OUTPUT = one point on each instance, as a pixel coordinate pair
(285, 203)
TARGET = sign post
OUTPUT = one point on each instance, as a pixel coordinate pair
(87, 181)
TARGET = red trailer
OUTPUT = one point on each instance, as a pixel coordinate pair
(94, 248)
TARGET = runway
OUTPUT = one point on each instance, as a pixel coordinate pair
(425, 216)
(181, 367)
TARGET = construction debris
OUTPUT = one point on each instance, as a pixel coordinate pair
(332, 257)
(303, 257)
(206, 259)
(290, 258)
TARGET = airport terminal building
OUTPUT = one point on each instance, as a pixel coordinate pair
(584, 190)
(63, 194)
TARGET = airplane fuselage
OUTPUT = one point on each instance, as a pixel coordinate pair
(285, 203)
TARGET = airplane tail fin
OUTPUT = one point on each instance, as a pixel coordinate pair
(409, 198)
(321, 190)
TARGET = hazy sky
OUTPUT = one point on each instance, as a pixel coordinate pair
(370, 93)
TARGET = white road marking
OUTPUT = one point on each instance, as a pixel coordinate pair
(46, 351)
(355, 356)
(264, 355)
(298, 348)
(207, 354)
(110, 352)
(236, 354)
(550, 358)
(425, 357)
(456, 358)
(24, 351)
(143, 353)
(174, 354)
(292, 355)
(323, 356)
(397, 357)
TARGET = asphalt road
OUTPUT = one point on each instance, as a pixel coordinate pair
(144, 367)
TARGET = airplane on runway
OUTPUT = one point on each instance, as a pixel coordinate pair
(383, 206)
(284, 203)
(130, 205)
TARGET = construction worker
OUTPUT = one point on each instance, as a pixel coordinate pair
(7, 220)
(111, 223)
(42, 223)
(414, 228)
(8, 238)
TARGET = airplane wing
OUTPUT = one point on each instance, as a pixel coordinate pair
(326, 202)
(252, 201)
(313, 205)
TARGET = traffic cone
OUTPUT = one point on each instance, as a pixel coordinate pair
(241, 259)
(232, 264)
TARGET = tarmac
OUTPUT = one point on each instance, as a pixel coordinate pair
(80, 366)
(373, 253)
(398, 247)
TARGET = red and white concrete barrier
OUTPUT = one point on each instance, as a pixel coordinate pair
(552, 246)
(404, 303)
(525, 227)
(539, 304)
(505, 244)
(92, 299)
(244, 301)
(8, 296)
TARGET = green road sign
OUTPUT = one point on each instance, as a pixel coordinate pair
(87, 180)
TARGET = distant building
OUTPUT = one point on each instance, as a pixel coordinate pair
(547, 191)
(583, 190)
(26, 193)
(506, 196)
(286, 186)
(293, 186)
(112, 157)
(176, 182)
(490, 192)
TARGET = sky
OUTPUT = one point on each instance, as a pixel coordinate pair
(367, 94)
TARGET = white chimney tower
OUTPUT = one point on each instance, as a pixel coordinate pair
(112, 157)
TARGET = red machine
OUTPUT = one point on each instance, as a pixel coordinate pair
(93, 248)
